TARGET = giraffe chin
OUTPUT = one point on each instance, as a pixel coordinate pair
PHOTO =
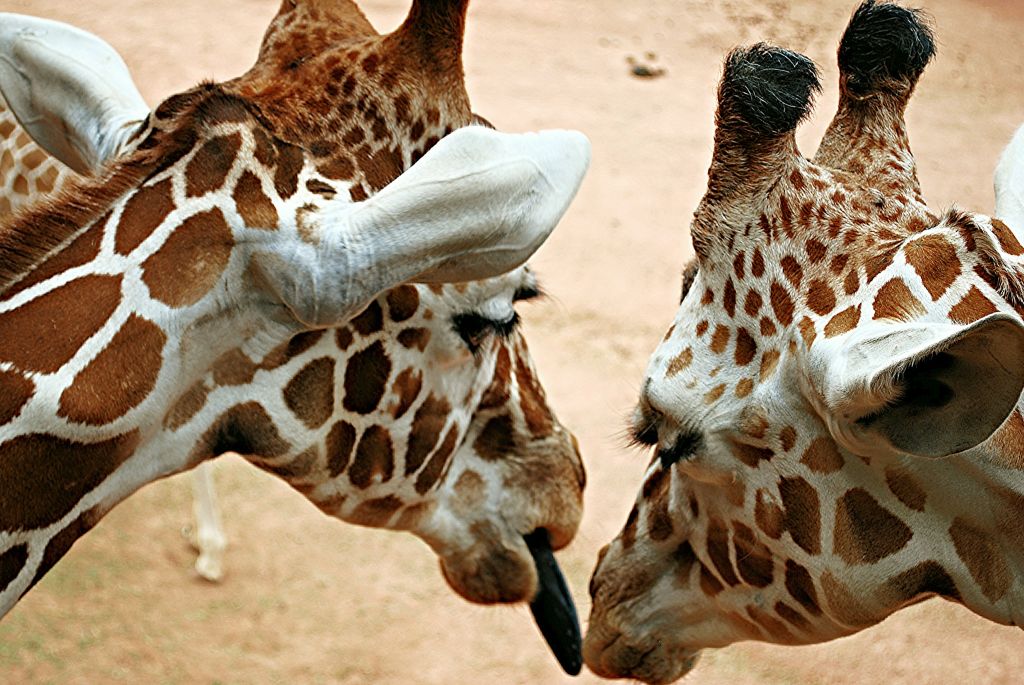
(499, 572)
(610, 655)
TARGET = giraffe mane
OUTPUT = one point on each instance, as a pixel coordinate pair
(29, 236)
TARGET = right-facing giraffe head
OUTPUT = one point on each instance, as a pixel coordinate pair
(239, 282)
(835, 408)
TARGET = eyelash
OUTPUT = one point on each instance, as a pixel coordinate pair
(474, 328)
(645, 434)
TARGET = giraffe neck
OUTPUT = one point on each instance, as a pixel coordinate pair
(99, 324)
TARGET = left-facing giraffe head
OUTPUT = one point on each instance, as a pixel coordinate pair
(418, 409)
(826, 406)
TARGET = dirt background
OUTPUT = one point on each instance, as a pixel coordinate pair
(309, 600)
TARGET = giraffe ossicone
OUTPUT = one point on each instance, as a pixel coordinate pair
(240, 281)
(835, 410)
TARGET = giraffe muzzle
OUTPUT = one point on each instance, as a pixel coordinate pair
(553, 608)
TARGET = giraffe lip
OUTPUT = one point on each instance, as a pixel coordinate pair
(553, 608)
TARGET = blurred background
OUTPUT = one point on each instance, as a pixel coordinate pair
(309, 600)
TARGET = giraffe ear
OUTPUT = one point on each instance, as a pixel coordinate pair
(927, 390)
(1009, 183)
(70, 90)
(478, 205)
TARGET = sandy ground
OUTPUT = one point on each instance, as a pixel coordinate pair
(308, 600)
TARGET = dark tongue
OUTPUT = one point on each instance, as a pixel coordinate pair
(552, 608)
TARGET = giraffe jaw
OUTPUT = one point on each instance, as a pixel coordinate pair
(609, 654)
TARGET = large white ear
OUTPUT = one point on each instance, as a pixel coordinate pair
(70, 90)
(927, 390)
(1009, 184)
(477, 205)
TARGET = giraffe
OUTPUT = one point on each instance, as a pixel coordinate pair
(41, 58)
(835, 411)
(314, 265)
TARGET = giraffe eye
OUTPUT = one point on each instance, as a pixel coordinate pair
(684, 447)
(474, 329)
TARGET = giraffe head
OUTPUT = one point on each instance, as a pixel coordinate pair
(822, 405)
(388, 380)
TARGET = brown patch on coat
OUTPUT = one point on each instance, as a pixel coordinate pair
(822, 456)
(971, 307)
(438, 463)
(843, 322)
(753, 302)
(846, 608)
(191, 261)
(403, 302)
(375, 458)
(768, 515)
(246, 429)
(895, 301)
(769, 361)
(12, 561)
(983, 557)
(286, 174)
(718, 551)
(499, 391)
(787, 438)
(370, 320)
(679, 363)
(119, 378)
(782, 304)
(807, 331)
(754, 560)
(935, 260)
(1007, 240)
(746, 347)
(720, 339)
(209, 167)
(925, 579)
(45, 333)
(802, 513)
(375, 512)
(45, 476)
(234, 367)
(406, 388)
(187, 406)
(143, 212)
(310, 393)
(256, 209)
(801, 587)
(15, 391)
(366, 378)
(532, 401)
(750, 455)
(865, 531)
(427, 425)
(339, 444)
(81, 250)
(821, 299)
(497, 439)
(907, 490)
(415, 338)
(60, 543)
(776, 629)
